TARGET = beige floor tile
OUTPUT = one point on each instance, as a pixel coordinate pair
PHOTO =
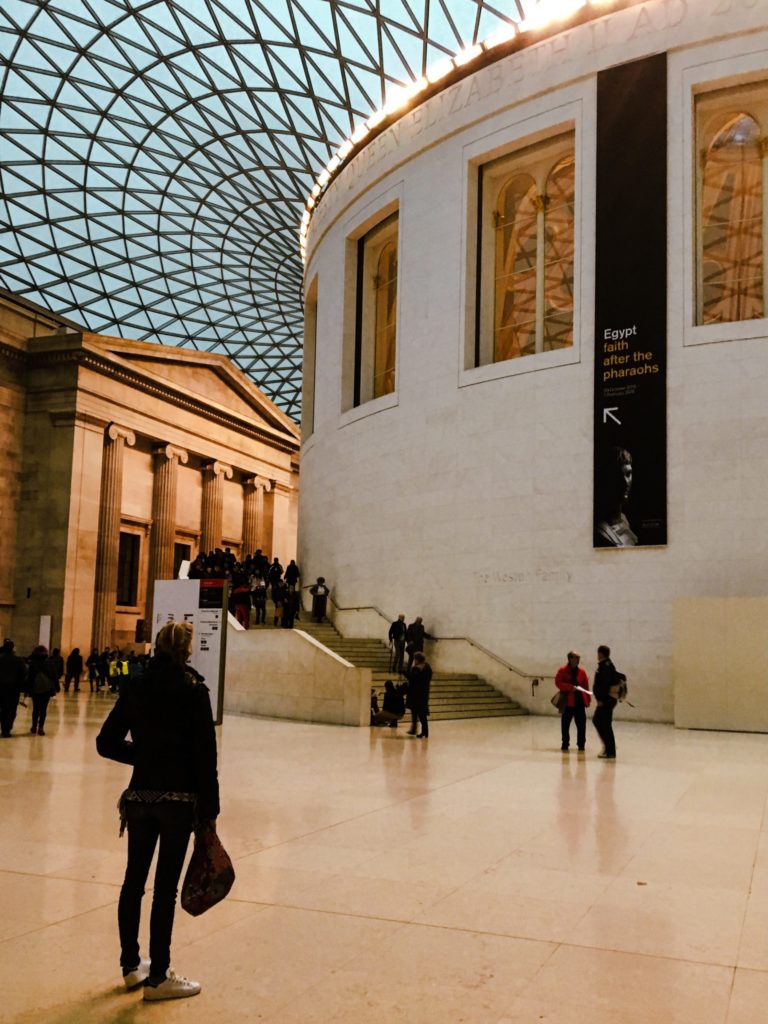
(530, 917)
(29, 902)
(702, 856)
(424, 975)
(675, 921)
(601, 987)
(749, 998)
(753, 949)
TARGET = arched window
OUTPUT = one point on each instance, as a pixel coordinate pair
(732, 224)
(732, 240)
(375, 364)
(385, 286)
(526, 252)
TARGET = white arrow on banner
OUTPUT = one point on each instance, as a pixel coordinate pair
(609, 413)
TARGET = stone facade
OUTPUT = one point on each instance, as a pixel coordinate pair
(104, 437)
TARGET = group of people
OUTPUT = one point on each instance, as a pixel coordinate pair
(39, 678)
(410, 694)
(573, 683)
(255, 580)
(404, 640)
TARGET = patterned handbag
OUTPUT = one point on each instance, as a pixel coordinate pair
(559, 700)
(210, 874)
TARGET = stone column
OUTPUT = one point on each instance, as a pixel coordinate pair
(108, 543)
(253, 513)
(163, 533)
(214, 474)
(267, 519)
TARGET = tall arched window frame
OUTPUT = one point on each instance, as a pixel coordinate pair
(731, 195)
(385, 326)
(376, 319)
(525, 300)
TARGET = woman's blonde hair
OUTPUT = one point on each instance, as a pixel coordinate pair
(175, 640)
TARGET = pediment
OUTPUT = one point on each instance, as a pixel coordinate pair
(210, 377)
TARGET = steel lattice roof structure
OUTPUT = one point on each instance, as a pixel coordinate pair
(155, 155)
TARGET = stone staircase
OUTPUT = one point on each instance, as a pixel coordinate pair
(452, 694)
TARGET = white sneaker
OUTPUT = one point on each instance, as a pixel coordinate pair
(137, 976)
(175, 986)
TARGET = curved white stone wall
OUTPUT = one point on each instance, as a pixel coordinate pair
(466, 496)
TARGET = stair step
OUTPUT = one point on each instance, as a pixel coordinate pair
(445, 716)
(453, 695)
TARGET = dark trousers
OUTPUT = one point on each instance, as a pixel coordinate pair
(603, 722)
(579, 715)
(397, 656)
(261, 612)
(39, 709)
(171, 823)
(420, 715)
(71, 679)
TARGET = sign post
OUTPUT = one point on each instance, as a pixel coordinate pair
(203, 604)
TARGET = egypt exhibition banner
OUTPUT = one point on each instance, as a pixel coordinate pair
(630, 440)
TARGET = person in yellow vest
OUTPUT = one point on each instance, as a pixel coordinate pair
(114, 671)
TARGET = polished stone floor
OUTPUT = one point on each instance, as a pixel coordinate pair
(481, 876)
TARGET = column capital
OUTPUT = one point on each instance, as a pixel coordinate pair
(171, 452)
(219, 469)
(115, 432)
(258, 483)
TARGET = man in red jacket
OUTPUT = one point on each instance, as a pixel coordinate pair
(574, 682)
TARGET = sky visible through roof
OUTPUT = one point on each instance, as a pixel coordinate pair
(155, 156)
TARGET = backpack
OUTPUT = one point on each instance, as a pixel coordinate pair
(620, 690)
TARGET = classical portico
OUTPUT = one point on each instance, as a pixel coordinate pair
(133, 456)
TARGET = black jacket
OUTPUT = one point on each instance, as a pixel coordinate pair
(74, 664)
(397, 630)
(173, 741)
(13, 672)
(605, 677)
(40, 665)
(419, 680)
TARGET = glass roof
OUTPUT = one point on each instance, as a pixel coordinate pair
(155, 156)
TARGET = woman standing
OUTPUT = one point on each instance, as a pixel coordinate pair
(41, 686)
(319, 592)
(173, 789)
(419, 679)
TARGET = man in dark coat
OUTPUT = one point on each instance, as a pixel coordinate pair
(12, 674)
(414, 639)
(419, 679)
(74, 670)
(397, 633)
(606, 677)
(275, 573)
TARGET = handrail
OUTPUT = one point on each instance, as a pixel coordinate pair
(491, 654)
(466, 639)
(362, 608)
